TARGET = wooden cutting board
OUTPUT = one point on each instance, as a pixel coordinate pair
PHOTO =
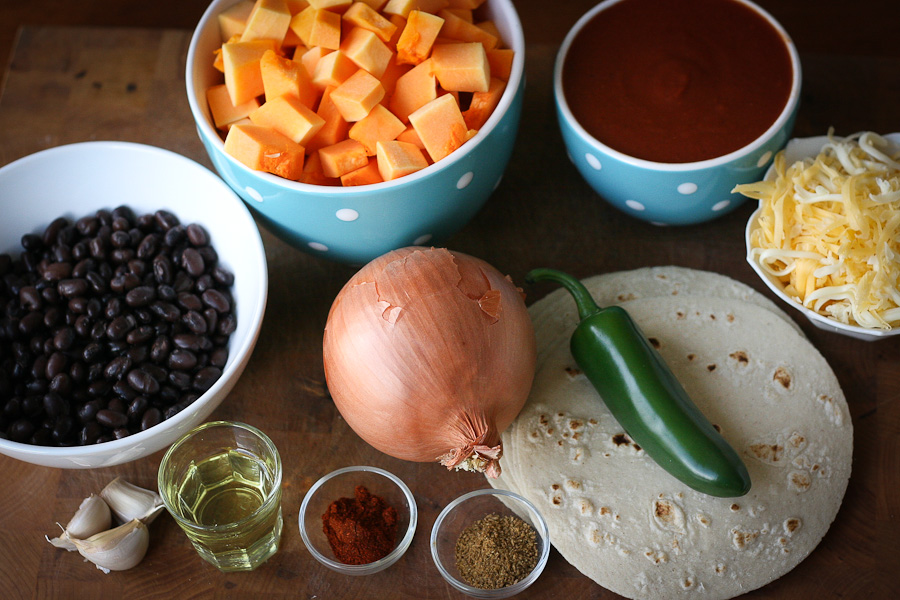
(69, 85)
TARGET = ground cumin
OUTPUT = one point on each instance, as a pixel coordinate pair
(361, 529)
(496, 551)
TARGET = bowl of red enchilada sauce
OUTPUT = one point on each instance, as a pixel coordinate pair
(665, 106)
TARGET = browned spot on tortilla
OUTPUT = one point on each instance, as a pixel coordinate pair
(576, 435)
(712, 317)
(792, 525)
(729, 317)
(565, 434)
(654, 342)
(560, 414)
(636, 447)
(691, 356)
(557, 500)
(549, 431)
(621, 439)
(770, 453)
(663, 510)
(741, 357)
(711, 367)
(783, 377)
(797, 440)
(555, 486)
(604, 510)
(592, 421)
(624, 297)
(543, 419)
(680, 314)
(740, 539)
(720, 569)
(799, 481)
(575, 424)
(559, 443)
(717, 428)
(735, 507)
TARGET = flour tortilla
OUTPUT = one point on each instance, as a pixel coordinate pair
(633, 528)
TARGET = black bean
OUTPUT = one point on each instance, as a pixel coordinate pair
(118, 328)
(227, 324)
(204, 282)
(165, 220)
(166, 311)
(62, 427)
(187, 341)
(182, 360)
(87, 226)
(209, 254)
(166, 292)
(215, 299)
(140, 335)
(32, 241)
(137, 267)
(148, 247)
(64, 338)
(174, 236)
(123, 390)
(54, 405)
(212, 319)
(71, 288)
(53, 229)
(61, 384)
(117, 367)
(111, 419)
(124, 212)
(140, 296)
(206, 377)
(180, 379)
(193, 262)
(31, 322)
(151, 417)
(141, 381)
(56, 364)
(136, 409)
(162, 269)
(21, 430)
(197, 235)
(219, 357)
(98, 284)
(78, 305)
(52, 316)
(99, 388)
(89, 433)
(58, 271)
(194, 321)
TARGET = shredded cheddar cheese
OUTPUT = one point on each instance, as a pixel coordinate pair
(829, 229)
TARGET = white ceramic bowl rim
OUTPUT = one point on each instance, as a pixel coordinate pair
(539, 524)
(77, 452)
(378, 565)
(516, 42)
(797, 149)
(793, 99)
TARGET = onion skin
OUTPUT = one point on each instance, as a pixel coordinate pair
(429, 355)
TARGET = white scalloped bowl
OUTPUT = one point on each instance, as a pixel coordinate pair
(795, 150)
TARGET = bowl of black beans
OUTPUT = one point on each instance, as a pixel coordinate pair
(133, 285)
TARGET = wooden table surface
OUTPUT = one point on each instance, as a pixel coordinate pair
(103, 69)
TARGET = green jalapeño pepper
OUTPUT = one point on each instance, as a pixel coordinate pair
(645, 397)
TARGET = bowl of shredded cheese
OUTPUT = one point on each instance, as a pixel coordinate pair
(826, 235)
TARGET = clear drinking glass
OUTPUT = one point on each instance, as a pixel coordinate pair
(222, 484)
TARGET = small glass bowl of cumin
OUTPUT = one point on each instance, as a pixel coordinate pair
(344, 484)
(490, 519)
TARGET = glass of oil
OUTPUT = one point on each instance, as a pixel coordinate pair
(222, 484)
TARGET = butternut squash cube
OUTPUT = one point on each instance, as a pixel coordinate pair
(461, 30)
(500, 62)
(223, 111)
(362, 15)
(463, 13)
(233, 20)
(335, 127)
(403, 7)
(310, 58)
(462, 67)
(289, 116)
(413, 90)
(269, 20)
(295, 6)
(240, 61)
(380, 125)
(312, 172)
(396, 159)
(343, 157)
(483, 104)
(375, 4)
(410, 136)
(366, 175)
(400, 23)
(357, 95)
(283, 76)
(440, 126)
(317, 27)
(334, 5)
(264, 149)
(333, 69)
(414, 44)
(365, 49)
(392, 73)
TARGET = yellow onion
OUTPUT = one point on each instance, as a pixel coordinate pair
(429, 355)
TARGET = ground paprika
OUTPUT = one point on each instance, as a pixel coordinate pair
(361, 529)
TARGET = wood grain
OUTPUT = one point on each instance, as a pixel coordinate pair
(68, 84)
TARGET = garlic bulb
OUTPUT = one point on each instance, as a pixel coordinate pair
(116, 549)
(92, 517)
(129, 501)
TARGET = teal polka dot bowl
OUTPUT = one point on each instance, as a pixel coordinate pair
(670, 193)
(356, 224)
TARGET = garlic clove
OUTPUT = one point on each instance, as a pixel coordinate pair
(129, 501)
(92, 517)
(116, 549)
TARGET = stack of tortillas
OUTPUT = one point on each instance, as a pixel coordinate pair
(622, 520)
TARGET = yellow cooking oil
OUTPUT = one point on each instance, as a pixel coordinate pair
(232, 506)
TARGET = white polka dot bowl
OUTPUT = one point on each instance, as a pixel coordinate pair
(670, 193)
(77, 180)
(356, 224)
(798, 149)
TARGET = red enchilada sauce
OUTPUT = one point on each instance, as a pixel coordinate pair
(677, 81)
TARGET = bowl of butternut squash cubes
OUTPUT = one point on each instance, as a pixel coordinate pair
(354, 127)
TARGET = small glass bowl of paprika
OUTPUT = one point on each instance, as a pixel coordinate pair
(490, 543)
(358, 520)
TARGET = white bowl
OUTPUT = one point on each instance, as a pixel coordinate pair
(77, 180)
(798, 149)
